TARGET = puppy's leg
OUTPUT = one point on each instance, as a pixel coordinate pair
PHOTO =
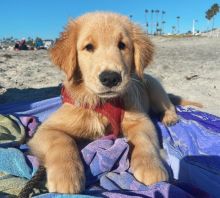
(59, 154)
(146, 161)
(159, 100)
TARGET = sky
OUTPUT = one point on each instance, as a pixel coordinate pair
(46, 18)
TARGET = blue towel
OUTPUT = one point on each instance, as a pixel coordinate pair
(13, 161)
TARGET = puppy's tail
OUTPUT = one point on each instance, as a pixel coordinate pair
(177, 100)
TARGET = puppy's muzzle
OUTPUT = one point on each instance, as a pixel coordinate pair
(110, 78)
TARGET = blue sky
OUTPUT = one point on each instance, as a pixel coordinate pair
(46, 18)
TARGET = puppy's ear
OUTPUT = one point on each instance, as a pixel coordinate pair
(143, 50)
(64, 51)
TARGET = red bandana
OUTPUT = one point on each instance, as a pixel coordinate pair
(113, 110)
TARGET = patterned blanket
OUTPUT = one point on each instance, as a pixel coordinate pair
(192, 146)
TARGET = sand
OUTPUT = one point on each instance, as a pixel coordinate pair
(189, 67)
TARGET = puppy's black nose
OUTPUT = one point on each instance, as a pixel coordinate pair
(110, 78)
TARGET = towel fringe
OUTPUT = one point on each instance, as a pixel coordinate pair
(33, 183)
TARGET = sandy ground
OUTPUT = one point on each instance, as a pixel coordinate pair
(189, 67)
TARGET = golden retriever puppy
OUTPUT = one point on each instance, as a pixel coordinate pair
(103, 56)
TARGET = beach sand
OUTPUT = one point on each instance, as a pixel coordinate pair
(188, 67)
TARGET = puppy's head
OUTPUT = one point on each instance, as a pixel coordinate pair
(102, 50)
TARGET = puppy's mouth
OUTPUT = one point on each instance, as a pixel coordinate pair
(114, 92)
(108, 94)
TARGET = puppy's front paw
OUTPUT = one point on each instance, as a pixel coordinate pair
(66, 178)
(149, 171)
(170, 118)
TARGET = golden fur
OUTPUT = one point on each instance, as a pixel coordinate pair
(55, 142)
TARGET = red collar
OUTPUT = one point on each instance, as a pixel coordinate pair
(113, 110)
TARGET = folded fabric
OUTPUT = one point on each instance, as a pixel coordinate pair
(13, 161)
(12, 132)
(54, 195)
(10, 185)
(12, 136)
(41, 110)
(162, 190)
(30, 124)
(207, 120)
(192, 147)
(108, 175)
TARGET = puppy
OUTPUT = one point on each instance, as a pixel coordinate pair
(104, 56)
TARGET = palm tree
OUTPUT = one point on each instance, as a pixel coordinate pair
(157, 23)
(162, 20)
(152, 23)
(173, 29)
(208, 17)
(215, 9)
(178, 24)
(146, 12)
(162, 27)
(163, 13)
(210, 13)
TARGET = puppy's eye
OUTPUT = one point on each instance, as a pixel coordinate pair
(121, 45)
(89, 47)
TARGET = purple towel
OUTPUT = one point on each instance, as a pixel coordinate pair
(192, 146)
